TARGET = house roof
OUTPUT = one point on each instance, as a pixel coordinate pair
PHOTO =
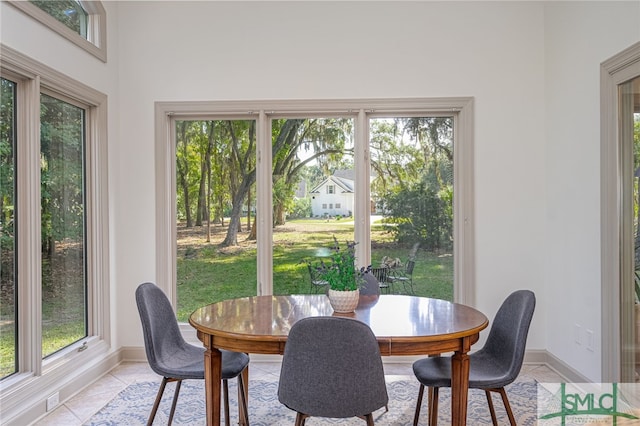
(345, 184)
(345, 174)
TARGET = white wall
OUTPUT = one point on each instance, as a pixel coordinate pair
(263, 50)
(531, 66)
(537, 200)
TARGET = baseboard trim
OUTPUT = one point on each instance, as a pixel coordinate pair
(539, 356)
(133, 354)
(534, 356)
(32, 404)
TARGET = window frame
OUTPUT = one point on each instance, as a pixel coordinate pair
(461, 109)
(33, 78)
(96, 41)
(616, 254)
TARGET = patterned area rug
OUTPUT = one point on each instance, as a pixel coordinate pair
(133, 405)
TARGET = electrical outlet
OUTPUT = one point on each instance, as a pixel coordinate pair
(53, 401)
(589, 334)
(577, 331)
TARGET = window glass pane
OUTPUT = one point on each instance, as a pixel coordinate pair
(313, 174)
(8, 293)
(412, 202)
(215, 197)
(68, 12)
(63, 227)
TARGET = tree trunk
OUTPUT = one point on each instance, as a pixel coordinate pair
(232, 231)
(201, 211)
(278, 217)
(253, 235)
(182, 172)
(207, 161)
(249, 209)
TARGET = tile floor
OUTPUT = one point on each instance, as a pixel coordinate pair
(81, 407)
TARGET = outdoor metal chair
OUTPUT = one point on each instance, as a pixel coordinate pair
(404, 276)
(383, 276)
(316, 281)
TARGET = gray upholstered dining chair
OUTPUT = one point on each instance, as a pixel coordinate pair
(170, 356)
(493, 367)
(370, 285)
(332, 368)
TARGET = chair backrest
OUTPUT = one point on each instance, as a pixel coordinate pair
(159, 326)
(312, 275)
(332, 368)
(370, 285)
(507, 338)
(381, 274)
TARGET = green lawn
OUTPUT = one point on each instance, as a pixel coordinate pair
(207, 274)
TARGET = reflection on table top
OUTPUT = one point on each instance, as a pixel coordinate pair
(389, 316)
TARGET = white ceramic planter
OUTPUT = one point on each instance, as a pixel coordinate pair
(343, 301)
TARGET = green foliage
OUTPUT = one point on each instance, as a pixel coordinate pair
(341, 271)
(421, 215)
(301, 208)
(413, 186)
(7, 166)
(62, 171)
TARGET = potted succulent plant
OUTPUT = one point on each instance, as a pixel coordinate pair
(342, 276)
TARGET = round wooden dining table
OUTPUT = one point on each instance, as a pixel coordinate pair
(403, 325)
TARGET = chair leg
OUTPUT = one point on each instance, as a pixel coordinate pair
(413, 292)
(175, 401)
(157, 401)
(243, 400)
(225, 396)
(369, 419)
(507, 406)
(416, 416)
(494, 419)
(300, 419)
(433, 406)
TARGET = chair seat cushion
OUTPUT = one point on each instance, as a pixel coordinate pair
(187, 362)
(233, 363)
(484, 374)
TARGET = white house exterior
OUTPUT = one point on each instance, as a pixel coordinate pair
(333, 196)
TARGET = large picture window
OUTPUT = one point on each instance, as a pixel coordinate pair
(362, 153)
(54, 303)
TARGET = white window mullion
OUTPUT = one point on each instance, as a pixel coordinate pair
(463, 202)
(264, 218)
(98, 297)
(363, 190)
(29, 280)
